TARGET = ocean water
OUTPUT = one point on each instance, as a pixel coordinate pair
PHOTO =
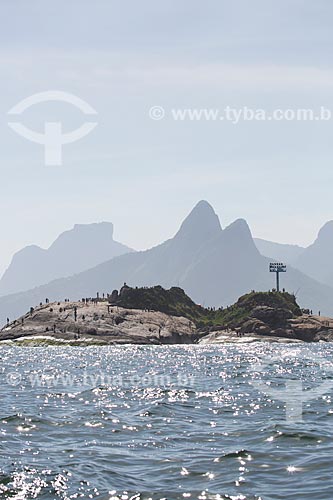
(239, 422)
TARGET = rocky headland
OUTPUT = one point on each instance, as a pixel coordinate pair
(156, 316)
(98, 323)
(271, 317)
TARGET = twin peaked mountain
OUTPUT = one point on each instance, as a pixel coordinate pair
(213, 265)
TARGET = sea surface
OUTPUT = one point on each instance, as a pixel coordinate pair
(238, 422)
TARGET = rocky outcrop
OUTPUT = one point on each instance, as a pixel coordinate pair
(280, 322)
(158, 316)
(270, 316)
(99, 322)
(304, 328)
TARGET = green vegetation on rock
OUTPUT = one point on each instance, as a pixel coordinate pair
(176, 302)
(250, 304)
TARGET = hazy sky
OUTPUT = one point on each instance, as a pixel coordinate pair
(124, 57)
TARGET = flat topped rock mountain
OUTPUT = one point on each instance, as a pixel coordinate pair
(74, 251)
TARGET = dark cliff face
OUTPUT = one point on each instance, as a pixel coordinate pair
(272, 317)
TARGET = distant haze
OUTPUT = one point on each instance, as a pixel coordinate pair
(143, 175)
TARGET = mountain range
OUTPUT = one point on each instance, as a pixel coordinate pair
(315, 260)
(213, 265)
(279, 251)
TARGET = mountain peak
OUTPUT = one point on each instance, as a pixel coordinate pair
(203, 205)
(240, 233)
(240, 226)
(202, 222)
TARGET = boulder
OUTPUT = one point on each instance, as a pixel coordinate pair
(273, 317)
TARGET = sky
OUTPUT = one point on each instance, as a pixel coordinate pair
(125, 57)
